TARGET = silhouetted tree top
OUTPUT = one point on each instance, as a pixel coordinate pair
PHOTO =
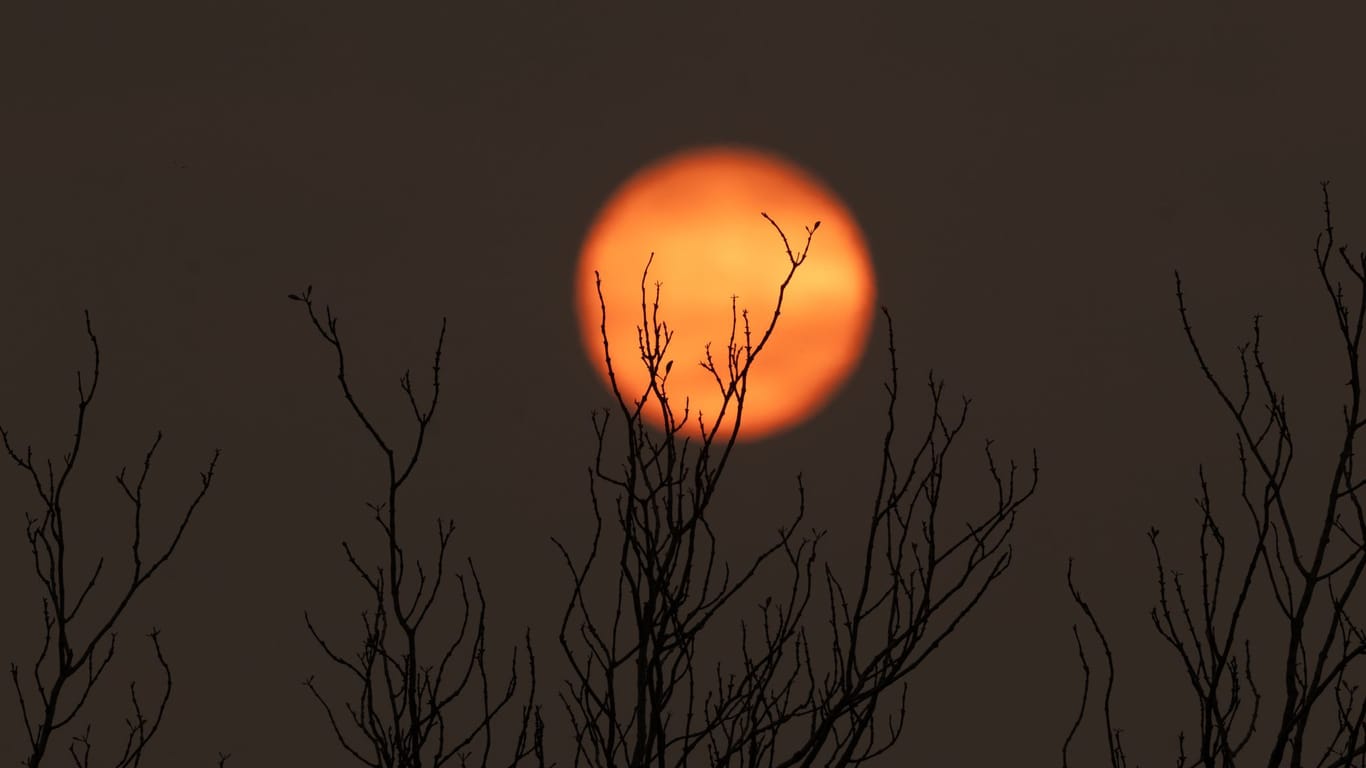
(72, 661)
(638, 694)
(407, 691)
(1298, 704)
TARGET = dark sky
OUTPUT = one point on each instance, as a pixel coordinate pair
(1028, 177)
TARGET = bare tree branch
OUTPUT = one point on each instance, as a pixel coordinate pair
(1310, 563)
(70, 665)
(402, 713)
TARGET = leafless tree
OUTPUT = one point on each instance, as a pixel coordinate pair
(638, 694)
(406, 692)
(1308, 560)
(75, 655)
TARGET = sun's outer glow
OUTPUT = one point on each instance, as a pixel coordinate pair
(699, 212)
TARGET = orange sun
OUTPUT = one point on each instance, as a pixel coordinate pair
(699, 213)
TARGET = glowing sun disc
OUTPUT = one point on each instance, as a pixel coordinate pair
(699, 211)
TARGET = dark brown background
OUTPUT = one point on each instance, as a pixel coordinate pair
(1028, 176)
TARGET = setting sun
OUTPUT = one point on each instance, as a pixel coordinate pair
(699, 213)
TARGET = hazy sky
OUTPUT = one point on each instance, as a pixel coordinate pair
(1027, 175)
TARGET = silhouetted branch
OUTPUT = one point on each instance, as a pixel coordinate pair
(1112, 734)
(918, 582)
(402, 709)
(633, 695)
(1311, 563)
(69, 667)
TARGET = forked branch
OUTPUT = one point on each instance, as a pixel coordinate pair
(409, 693)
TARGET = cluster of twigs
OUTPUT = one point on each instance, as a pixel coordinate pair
(637, 696)
(71, 663)
(1310, 561)
(404, 689)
